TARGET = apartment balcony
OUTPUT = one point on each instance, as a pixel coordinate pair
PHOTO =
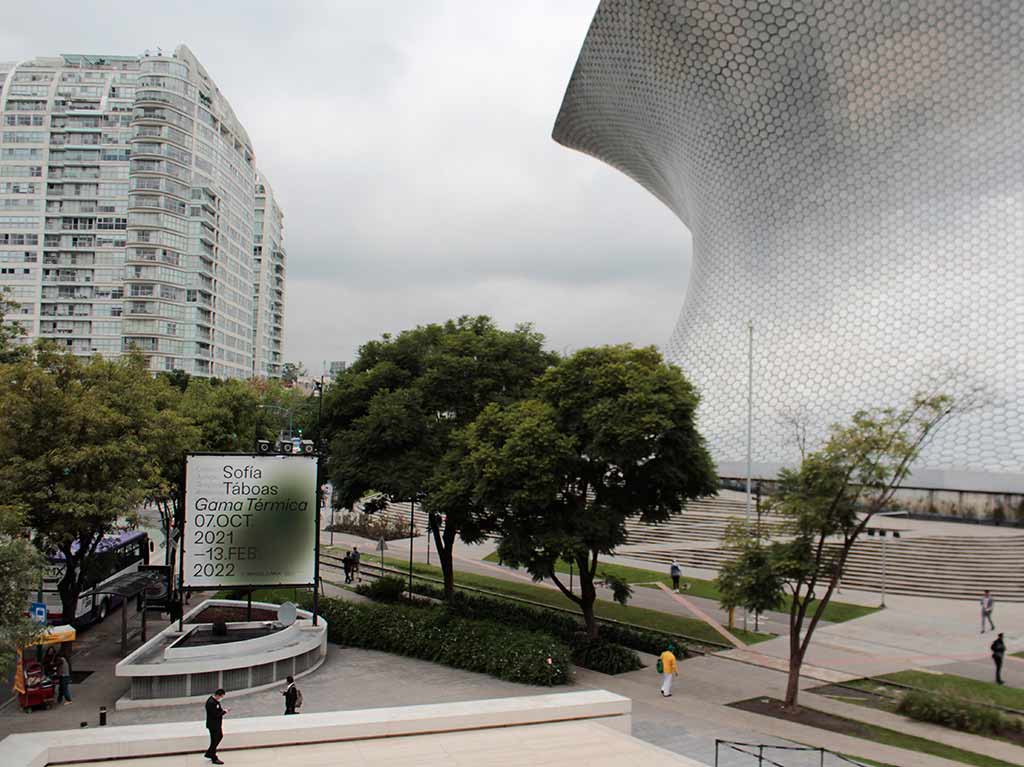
(66, 279)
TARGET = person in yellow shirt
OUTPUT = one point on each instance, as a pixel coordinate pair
(669, 669)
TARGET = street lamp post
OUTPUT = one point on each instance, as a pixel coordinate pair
(750, 425)
(412, 524)
(883, 569)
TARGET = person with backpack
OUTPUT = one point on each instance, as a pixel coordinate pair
(292, 697)
(668, 668)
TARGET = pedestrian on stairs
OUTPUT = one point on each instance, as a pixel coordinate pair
(669, 668)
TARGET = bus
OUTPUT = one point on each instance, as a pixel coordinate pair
(115, 555)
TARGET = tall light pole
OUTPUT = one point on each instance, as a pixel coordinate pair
(750, 425)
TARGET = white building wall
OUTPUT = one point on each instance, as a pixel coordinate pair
(127, 208)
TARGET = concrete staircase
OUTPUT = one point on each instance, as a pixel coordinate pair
(947, 567)
(952, 566)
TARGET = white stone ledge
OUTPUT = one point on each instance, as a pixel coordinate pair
(40, 749)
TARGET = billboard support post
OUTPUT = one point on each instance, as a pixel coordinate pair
(316, 546)
(182, 516)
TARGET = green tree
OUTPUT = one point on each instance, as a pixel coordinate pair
(180, 435)
(391, 416)
(750, 580)
(76, 452)
(226, 412)
(11, 331)
(22, 566)
(292, 372)
(609, 435)
(831, 499)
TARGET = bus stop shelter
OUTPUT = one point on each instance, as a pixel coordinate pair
(127, 587)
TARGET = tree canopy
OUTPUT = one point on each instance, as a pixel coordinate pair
(79, 441)
(827, 503)
(392, 414)
(608, 435)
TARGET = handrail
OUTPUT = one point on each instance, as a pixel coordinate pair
(740, 746)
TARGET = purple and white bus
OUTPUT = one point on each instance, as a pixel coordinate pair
(115, 555)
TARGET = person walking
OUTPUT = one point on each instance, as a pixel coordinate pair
(998, 651)
(987, 604)
(292, 697)
(63, 680)
(675, 571)
(215, 724)
(346, 564)
(355, 562)
(669, 668)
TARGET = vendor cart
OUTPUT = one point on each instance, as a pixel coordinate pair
(36, 685)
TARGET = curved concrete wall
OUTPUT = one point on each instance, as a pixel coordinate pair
(853, 177)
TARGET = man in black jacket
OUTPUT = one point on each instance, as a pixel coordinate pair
(998, 651)
(214, 723)
(291, 697)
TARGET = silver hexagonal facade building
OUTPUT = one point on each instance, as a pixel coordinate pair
(852, 173)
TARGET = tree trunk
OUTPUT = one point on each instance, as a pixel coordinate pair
(69, 589)
(588, 595)
(445, 543)
(796, 662)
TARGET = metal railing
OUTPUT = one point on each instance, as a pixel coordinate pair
(757, 751)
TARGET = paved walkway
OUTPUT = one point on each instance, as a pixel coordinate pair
(911, 632)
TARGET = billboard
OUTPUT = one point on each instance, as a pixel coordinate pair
(249, 521)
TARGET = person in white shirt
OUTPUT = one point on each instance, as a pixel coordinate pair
(986, 611)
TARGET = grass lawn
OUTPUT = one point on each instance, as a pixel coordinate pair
(862, 760)
(926, 746)
(953, 685)
(855, 728)
(652, 619)
(836, 612)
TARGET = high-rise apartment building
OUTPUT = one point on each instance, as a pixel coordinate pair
(268, 286)
(128, 209)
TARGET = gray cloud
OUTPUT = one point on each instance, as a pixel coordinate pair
(409, 145)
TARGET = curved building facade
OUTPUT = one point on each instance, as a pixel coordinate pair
(852, 173)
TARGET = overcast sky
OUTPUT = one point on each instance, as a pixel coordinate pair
(410, 147)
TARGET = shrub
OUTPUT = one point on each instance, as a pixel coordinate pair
(957, 713)
(373, 526)
(389, 589)
(601, 655)
(562, 625)
(435, 634)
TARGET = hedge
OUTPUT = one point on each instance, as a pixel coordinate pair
(435, 634)
(562, 625)
(389, 589)
(958, 714)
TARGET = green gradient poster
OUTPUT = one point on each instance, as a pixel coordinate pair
(250, 520)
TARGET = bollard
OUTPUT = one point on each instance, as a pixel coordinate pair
(103, 716)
